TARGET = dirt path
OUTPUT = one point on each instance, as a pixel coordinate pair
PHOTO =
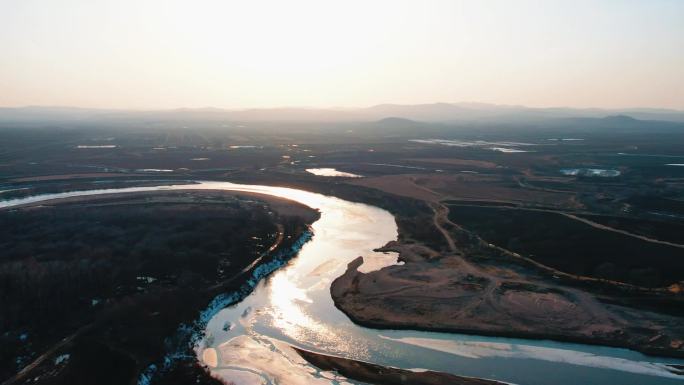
(441, 215)
(47, 354)
(623, 232)
(585, 221)
(276, 243)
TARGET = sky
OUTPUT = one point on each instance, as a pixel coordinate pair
(157, 54)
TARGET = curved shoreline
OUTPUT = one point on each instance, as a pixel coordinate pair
(194, 333)
(379, 325)
(345, 284)
(386, 375)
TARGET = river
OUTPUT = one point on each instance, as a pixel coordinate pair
(248, 343)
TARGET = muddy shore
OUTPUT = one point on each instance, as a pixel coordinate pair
(383, 375)
(460, 299)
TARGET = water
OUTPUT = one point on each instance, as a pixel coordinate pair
(248, 343)
(331, 172)
(505, 147)
(590, 172)
(96, 146)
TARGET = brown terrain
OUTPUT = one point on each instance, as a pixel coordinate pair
(471, 286)
(382, 375)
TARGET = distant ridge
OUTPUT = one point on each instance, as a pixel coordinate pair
(620, 119)
(429, 113)
(395, 120)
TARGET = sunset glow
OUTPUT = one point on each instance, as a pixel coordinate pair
(236, 54)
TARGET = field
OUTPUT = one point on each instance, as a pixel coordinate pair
(574, 247)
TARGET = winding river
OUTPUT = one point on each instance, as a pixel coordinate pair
(248, 342)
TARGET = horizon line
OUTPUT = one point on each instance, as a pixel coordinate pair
(338, 108)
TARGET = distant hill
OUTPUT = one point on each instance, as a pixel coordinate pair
(397, 121)
(620, 119)
(613, 124)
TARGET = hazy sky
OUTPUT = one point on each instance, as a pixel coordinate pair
(251, 53)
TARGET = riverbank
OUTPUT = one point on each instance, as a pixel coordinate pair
(111, 337)
(450, 295)
(383, 375)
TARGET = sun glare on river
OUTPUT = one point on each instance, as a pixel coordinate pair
(288, 315)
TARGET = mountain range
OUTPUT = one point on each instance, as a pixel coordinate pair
(433, 113)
